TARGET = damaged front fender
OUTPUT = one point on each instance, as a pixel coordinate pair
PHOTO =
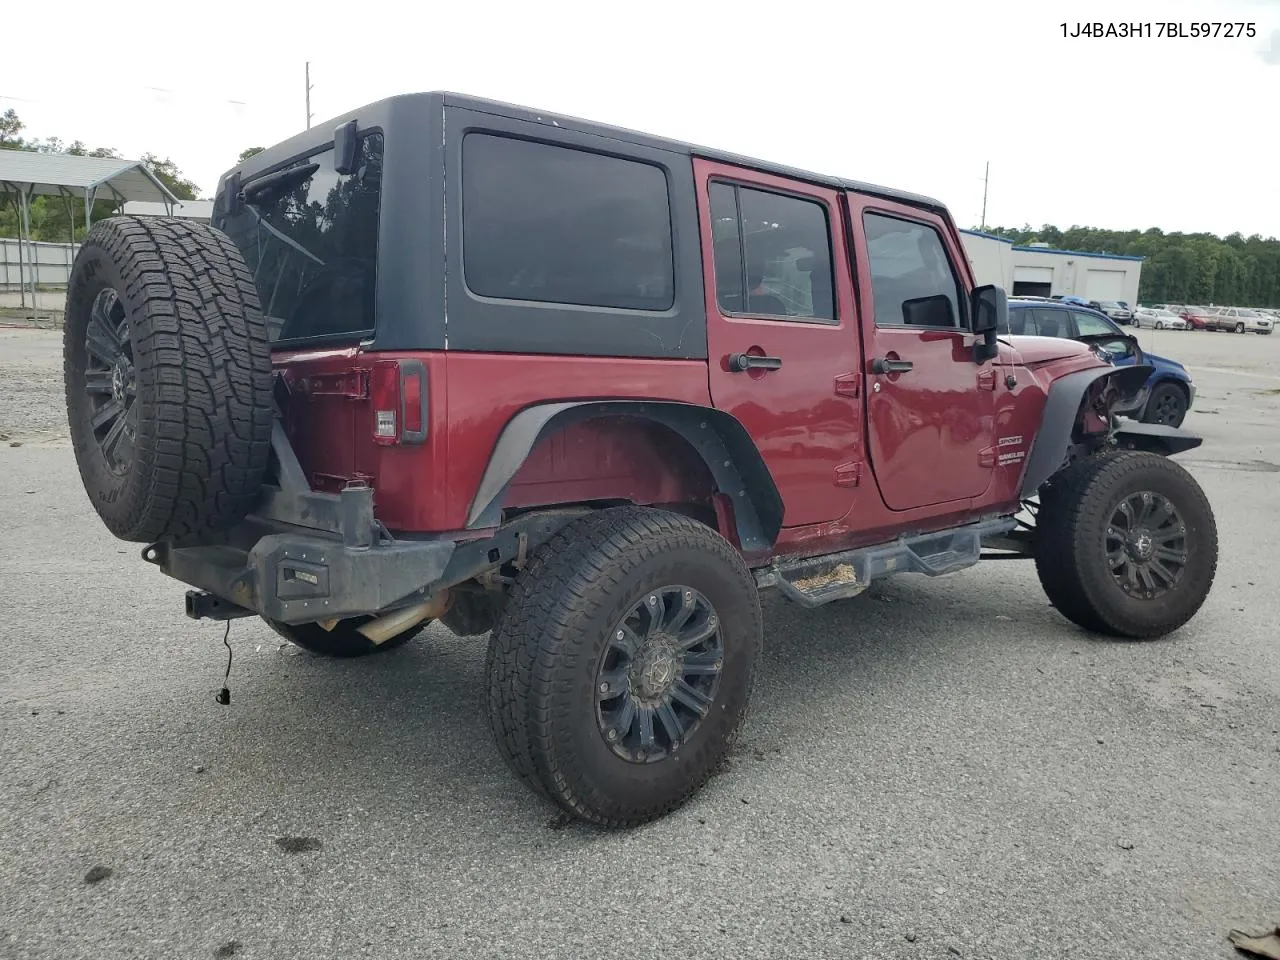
(1078, 406)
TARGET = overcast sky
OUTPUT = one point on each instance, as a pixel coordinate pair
(1120, 133)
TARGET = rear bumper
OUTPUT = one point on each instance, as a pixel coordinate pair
(303, 556)
(298, 578)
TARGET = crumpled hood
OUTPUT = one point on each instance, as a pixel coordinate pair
(1024, 350)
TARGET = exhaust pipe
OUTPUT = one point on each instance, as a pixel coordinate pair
(393, 624)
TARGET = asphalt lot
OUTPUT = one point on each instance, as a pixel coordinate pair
(933, 769)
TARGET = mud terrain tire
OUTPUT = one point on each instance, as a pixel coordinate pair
(555, 642)
(168, 378)
(1126, 544)
(343, 641)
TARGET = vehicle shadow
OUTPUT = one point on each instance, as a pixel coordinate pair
(408, 730)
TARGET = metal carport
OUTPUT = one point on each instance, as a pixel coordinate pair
(25, 174)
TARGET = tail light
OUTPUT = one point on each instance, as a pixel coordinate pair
(398, 389)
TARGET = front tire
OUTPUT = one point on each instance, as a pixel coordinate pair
(621, 669)
(1126, 544)
(342, 642)
(1167, 405)
(1239, 328)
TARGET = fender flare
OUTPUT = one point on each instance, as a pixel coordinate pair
(719, 439)
(1061, 409)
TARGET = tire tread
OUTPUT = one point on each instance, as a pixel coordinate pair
(531, 652)
(203, 365)
(1069, 508)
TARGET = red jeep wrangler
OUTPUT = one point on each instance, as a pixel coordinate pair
(590, 390)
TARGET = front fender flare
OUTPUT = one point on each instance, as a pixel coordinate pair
(720, 440)
(1061, 411)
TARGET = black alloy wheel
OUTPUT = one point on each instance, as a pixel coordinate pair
(1146, 545)
(659, 674)
(111, 381)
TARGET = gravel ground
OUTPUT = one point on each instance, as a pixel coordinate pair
(934, 769)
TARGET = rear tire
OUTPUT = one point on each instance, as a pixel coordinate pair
(343, 641)
(626, 606)
(1126, 544)
(1239, 328)
(1167, 405)
(168, 378)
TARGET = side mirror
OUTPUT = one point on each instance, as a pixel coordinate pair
(1121, 348)
(346, 147)
(989, 308)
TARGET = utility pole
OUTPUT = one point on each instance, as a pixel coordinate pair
(985, 178)
(308, 81)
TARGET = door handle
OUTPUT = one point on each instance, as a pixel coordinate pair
(739, 362)
(885, 365)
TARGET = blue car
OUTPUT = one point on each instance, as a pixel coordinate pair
(1169, 391)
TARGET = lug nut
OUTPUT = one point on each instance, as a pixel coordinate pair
(613, 734)
(604, 688)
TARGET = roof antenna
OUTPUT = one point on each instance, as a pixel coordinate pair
(985, 177)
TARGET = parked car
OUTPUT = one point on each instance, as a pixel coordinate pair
(1158, 318)
(671, 378)
(1241, 320)
(1197, 317)
(1165, 396)
(1115, 310)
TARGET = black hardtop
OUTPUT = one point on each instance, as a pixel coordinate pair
(382, 112)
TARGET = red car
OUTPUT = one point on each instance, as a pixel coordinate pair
(1199, 318)
(590, 391)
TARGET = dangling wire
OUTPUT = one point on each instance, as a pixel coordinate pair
(225, 634)
(223, 696)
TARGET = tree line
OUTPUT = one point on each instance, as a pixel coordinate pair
(1192, 268)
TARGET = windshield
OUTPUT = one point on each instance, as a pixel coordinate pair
(312, 244)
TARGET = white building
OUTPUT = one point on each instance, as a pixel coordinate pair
(1041, 271)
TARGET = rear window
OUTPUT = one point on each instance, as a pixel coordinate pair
(557, 225)
(311, 242)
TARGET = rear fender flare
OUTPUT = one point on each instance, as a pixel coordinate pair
(1061, 412)
(719, 439)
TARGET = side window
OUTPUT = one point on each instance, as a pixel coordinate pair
(558, 225)
(911, 278)
(1087, 325)
(1051, 323)
(772, 254)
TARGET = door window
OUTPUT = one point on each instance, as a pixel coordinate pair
(912, 283)
(772, 254)
(1087, 325)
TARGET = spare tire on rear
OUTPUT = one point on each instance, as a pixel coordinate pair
(168, 378)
